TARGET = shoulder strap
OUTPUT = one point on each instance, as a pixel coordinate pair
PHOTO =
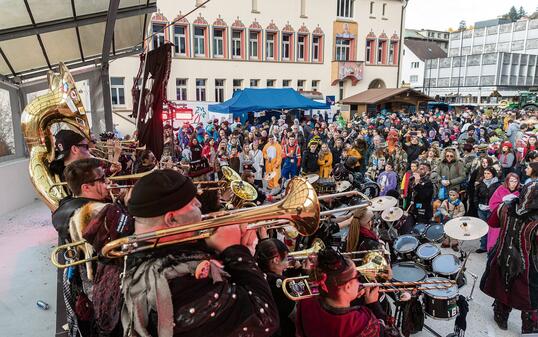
(61, 217)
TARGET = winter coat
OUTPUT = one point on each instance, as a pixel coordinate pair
(453, 171)
(310, 162)
(483, 193)
(325, 165)
(451, 210)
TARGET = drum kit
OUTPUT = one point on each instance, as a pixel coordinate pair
(419, 259)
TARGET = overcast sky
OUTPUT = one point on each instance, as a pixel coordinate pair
(442, 14)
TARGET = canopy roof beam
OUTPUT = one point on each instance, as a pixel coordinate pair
(83, 20)
(29, 10)
(73, 9)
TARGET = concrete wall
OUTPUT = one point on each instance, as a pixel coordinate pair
(408, 58)
(17, 190)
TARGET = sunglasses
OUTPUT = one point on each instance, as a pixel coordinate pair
(449, 156)
(101, 179)
(84, 146)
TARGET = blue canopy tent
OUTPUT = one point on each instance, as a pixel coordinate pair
(254, 100)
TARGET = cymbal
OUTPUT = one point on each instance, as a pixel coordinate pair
(312, 178)
(392, 214)
(466, 228)
(380, 204)
(342, 186)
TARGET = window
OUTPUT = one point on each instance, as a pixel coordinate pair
(393, 52)
(286, 83)
(270, 46)
(181, 89)
(371, 7)
(199, 41)
(180, 40)
(369, 51)
(238, 85)
(315, 85)
(236, 44)
(413, 78)
(344, 8)
(270, 83)
(300, 85)
(158, 35)
(301, 52)
(316, 41)
(219, 90)
(343, 47)
(218, 42)
(414, 65)
(7, 135)
(200, 89)
(384, 9)
(254, 83)
(286, 46)
(117, 90)
(380, 51)
(253, 44)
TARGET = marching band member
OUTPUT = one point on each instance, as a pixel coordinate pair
(272, 257)
(87, 182)
(272, 153)
(331, 313)
(181, 290)
(69, 146)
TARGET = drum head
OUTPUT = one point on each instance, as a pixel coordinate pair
(427, 251)
(407, 272)
(435, 233)
(439, 293)
(405, 244)
(419, 229)
(446, 264)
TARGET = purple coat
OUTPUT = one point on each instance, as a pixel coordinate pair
(387, 181)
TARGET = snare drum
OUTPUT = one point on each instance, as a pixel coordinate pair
(440, 303)
(405, 246)
(426, 253)
(435, 233)
(449, 266)
(407, 272)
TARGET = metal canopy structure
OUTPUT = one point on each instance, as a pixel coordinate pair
(37, 34)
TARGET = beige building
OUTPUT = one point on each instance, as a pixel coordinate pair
(335, 47)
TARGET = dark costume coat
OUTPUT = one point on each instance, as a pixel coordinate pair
(511, 275)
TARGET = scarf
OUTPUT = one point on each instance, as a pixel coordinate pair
(145, 288)
(368, 233)
(456, 202)
(490, 182)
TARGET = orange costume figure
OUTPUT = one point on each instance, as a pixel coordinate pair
(325, 161)
(272, 153)
(392, 141)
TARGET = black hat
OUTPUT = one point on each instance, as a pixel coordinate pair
(159, 192)
(64, 140)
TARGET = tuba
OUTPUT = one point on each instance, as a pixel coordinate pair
(61, 105)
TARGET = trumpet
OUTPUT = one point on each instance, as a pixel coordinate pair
(112, 178)
(317, 246)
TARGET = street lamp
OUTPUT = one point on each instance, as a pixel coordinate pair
(461, 28)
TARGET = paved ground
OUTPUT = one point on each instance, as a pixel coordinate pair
(26, 275)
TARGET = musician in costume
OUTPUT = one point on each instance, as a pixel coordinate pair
(87, 181)
(272, 257)
(291, 158)
(331, 313)
(69, 146)
(182, 290)
(511, 275)
(272, 153)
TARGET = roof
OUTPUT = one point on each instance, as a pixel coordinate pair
(412, 33)
(253, 100)
(425, 50)
(373, 96)
(35, 35)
